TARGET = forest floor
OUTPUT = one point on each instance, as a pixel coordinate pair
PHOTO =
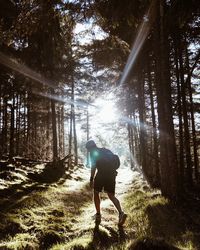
(58, 213)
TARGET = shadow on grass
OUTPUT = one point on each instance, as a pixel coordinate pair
(12, 195)
(50, 238)
(9, 226)
(175, 223)
(44, 213)
(105, 237)
(151, 244)
(52, 173)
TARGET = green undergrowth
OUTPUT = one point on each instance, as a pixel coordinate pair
(42, 218)
(59, 217)
(154, 219)
(153, 223)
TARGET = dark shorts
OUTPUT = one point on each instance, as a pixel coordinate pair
(104, 183)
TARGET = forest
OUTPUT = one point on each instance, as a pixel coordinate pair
(123, 73)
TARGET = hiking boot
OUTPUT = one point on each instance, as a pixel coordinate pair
(122, 218)
(97, 219)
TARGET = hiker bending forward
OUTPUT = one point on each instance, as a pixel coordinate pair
(102, 177)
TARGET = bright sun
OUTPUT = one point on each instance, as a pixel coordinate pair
(106, 112)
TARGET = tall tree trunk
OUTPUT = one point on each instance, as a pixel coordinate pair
(87, 125)
(17, 124)
(70, 131)
(131, 146)
(155, 166)
(59, 132)
(74, 124)
(87, 133)
(62, 143)
(169, 174)
(48, 128)
(12, 122)
(54, 128)
(185, 114)
(180, 118)
(28, 135)
(169, 126)
(194, 138)
(130, 126)
(5, 125)
(1, 121)
(75, 139)
(141, 107)
(136, 136)
(24, 118)
(160, 108)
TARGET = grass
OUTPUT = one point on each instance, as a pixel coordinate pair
(41, 218)
(153, 217)
(59, 216)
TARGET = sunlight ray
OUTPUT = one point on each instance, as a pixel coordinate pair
(143, 32)
(142, 125)
(28, 72)
(80, 103)
(24, 70)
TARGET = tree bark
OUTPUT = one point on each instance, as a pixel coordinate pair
(168, 158)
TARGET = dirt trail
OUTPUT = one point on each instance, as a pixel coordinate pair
(108, 232)
(109, 213)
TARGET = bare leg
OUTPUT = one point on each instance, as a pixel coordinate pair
(115, 201)
(97, 201)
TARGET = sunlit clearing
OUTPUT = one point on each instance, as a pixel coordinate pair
(104, 123)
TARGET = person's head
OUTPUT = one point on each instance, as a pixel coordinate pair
(90, 145)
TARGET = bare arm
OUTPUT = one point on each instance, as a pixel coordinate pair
(93, 170)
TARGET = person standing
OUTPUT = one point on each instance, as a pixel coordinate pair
(102, 178)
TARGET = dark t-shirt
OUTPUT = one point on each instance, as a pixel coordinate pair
(101, 158)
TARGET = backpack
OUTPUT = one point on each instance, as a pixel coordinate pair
(107, 161)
